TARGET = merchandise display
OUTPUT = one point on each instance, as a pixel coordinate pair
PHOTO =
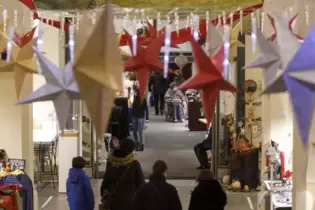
(280, 194)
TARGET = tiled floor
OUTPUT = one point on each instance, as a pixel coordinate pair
(236, 201)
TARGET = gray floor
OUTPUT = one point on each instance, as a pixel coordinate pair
(236, 201)
(172, 143)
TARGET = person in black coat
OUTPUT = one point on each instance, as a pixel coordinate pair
(158, 87)
(201, 151)
(157, 194)
(208, 194)
(123, 176)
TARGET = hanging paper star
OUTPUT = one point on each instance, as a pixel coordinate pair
(98, 67)
(22, 61)
(60, 87)
(208, 79)
(290, 24)
(214, 40)
(154, 34)
(24, 39)
(145, 61)
(269, 59)
(240, 124)
(298, 77)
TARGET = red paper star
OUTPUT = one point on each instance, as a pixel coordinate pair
(290, 26)
(218, 58)
(208, 79)
(154, 34)
(146, 60)
(24, 39)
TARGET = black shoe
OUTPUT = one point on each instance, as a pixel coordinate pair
(162, 113)
(139, 147)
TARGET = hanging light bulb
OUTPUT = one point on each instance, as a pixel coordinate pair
(226, 50)
(254, 30)
(62, 17)
(142, 15)
(78, 20)
(5, 16)
(9, 44)
(231, 19)
(71, 41)
(167, 46)
(291, 12)
(94, 18)
(219, 22)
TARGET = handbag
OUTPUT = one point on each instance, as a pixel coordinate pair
(107, 195)
(151, 101)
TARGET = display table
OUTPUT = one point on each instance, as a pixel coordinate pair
(68, 148)
(280, 195)
(244, 167)
(194, 115)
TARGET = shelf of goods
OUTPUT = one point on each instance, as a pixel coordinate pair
(280, 195)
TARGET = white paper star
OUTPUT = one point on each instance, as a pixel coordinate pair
(240, 124)
(243, 130)
(60, 87)
(234, 135)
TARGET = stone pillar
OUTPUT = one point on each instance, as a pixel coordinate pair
(16, 121)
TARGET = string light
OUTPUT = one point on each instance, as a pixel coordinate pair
(254, 30)
(15, 18)
(167, 45)
(78, 20)
(9, 44)
(187, 22)
(306, 15)
(71, 41)
(262, 21)
(134, 36)
(241, 19)
(226, 50)
(5, 14)
(196, 27)
(158, 20)
(177, 22)
(207, 20)
(191, 22)
(224, 18)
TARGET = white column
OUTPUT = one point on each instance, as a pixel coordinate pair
(16, 121)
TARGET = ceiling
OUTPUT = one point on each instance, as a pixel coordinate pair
(140, 4)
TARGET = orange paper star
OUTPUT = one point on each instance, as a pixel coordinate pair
(146, 60)
(208, 79)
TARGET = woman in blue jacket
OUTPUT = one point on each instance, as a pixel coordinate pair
(79, 190)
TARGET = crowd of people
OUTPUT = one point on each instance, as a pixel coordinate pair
(124, 187)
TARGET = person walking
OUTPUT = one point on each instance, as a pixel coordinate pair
(140, 111)
(157, 194)
(158, 87)
(80, 194)
(208, 194)
(123, 176)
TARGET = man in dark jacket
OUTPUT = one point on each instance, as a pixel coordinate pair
(201, 151)
(157, 194)
(158, 87)
(122, 177)
(208, 194)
